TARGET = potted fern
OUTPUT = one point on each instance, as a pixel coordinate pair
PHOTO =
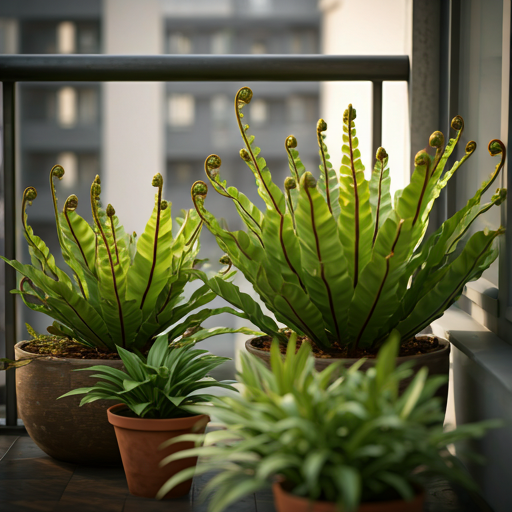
(120, 291)
(350, 445)
(154, 396)
(336, 260)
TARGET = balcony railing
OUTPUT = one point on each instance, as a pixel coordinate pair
(166, 68)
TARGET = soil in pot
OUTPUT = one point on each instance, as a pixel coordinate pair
(139, 441)
(62, 429)
(423, 350)
(287, 502)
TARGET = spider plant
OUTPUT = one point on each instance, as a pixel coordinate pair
(163, 385)
(335, 257)
(348, 441)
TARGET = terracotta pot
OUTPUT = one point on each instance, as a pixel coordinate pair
(438, 363)
(139, 440)
(62, 429)
(286, 502)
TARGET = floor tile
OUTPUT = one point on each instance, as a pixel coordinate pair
(25, 448)
(31, 469)
(136, 504)
(40, 489)
(29, 506)
(5, 443)
(96, 488)
(87, 504)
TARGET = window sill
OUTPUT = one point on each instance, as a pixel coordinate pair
(482, 346)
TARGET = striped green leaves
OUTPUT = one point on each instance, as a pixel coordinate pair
(325, 267)
(334, 258)
(480, 251)
(150, 270)
(164, 385)
(355, 221)
(124, 292)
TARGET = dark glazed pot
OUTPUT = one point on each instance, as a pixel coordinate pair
(438, 363)
(139, 440)
(286, 502)
(62, 429)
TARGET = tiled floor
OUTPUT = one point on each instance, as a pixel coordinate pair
(32, 481)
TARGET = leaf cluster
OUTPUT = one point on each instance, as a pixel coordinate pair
(339, 435)
(162, 386)
(119, 290)
(337, 258)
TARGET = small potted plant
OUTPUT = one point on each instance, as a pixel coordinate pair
(336, 260)
(120, 291)
(154, 396)
(353, 444)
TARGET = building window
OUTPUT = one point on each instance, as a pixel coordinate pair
(259, 111)
(179, 43)
(301, 109)
(221, 43)
(66, 37)
(304, 42)
(181, 110)
(220, 109)
(87, 106)
(260, 6)
(88, 40)
(182, 173)
(66, 107)
(69, 162)
(258, 47)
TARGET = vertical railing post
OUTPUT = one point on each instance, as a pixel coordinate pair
(376, 117)
(9, 150)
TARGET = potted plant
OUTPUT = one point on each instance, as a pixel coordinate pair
(336, 260)
(120, 292)
(154, 396)
(353, 444)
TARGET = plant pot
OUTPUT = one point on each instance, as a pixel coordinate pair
(287, 502)
(139, 440)
(438, 363)
(62, 429)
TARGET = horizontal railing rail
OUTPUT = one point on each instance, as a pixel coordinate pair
(163, 68)
(182, 68)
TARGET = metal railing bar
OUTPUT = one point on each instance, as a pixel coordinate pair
(8, 97)
(182, 68)
(376, 116)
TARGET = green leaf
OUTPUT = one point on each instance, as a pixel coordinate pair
(325, 268)
(150, 270)
(480, 251)
(328, 183)
(380, 196)
(355, 222)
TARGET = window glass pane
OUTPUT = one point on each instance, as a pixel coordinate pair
(66, 107)
(69, 162)
(179, 43)
(259, 111)
(221, 43)
(480, 103)
(66, 37)
(181, 110)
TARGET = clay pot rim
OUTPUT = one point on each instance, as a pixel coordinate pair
(21, 344)
(401, 359)
(277, 488)
(151, 425)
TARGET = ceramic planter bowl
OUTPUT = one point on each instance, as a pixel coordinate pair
(139, 440)
(438, 363)
(62, 429)
(286, 502)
